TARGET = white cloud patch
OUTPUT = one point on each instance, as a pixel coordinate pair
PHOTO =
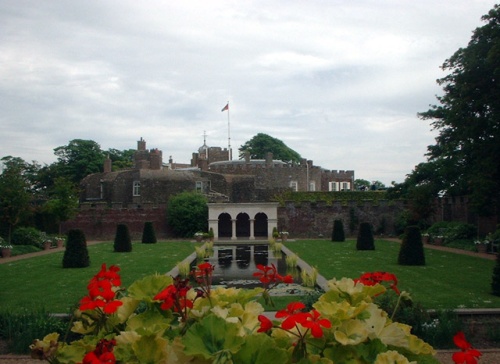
(339, 82)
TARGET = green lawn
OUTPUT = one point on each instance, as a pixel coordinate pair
(446, 281)
(42, 282)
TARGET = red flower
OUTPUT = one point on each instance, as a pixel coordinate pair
(102, 291)
(468, 355)
(292, 314)
(265, 324)
(103, 353)
(460, 341)
(371, 279)
(314, 323)
(267, 274)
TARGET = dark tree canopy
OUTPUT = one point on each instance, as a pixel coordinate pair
(466, 157)
(261, 144)
(78, 159)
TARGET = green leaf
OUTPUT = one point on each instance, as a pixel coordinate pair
(211, 336)
(150, 349)
(149, 322)
(146, 288)
(260, 349)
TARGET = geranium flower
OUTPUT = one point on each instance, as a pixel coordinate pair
(468, 355)
(102, 291)
(103, 353)
(314, 323)
(293, 315)
(265, 324)
(267, 273)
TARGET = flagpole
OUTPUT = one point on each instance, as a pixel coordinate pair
(230, 153)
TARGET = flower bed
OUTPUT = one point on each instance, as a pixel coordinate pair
(159, 319)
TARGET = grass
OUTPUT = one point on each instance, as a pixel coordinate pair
(42, 282)
(447, 281)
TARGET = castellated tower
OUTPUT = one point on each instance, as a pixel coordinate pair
(145, 159)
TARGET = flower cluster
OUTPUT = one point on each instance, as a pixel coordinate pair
(467, 355)
(102, 354)
(371, 279)
(102, 290)
(160, 319)
(294, 318)
(269, 277)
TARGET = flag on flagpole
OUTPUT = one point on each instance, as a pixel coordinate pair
(225, 107)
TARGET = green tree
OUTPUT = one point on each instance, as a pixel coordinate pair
(63, 201)
(15, 192)
(78, 159)
(365, 240)
(121, 158)
(187, 213)
(467, 148)
(361, 184)
(411, 251)
(261, 144)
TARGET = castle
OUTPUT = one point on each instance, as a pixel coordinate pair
(240, 192)
(151, 182)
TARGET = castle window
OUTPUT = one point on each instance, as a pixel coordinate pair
(294, 186)
(199, 186)
(312, 186)
(333, 186)
(346, 186)
(136, 188)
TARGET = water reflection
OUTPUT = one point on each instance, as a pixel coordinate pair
(234, 265)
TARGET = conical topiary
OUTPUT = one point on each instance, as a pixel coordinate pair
(495, 282)
(122, 243)
(412, 248)
(365, 237)
(148, 233)
(76, 254)
(338, 231)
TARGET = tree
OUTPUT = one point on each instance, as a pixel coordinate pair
(467, 148)
(63, 202)
(338, 231)
(187, 213)
(261, 144)
(148, 233)
(361, 184)
(121, 159)
(78, 159)
(123, 242)
(15, 195)
(76, 254)
(411, 251)
(365, 239)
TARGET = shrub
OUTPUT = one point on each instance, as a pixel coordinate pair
(148, 233)
(365, 239)
(338, 231)
(20, 327)
(122, 243)
(187, 213)
(453, 230)
(76, 254)
(495, 282)
(28, 236)
(412, 248)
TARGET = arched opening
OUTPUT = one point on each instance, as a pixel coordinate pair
(260, 225)
(242, 225)
(225, 227)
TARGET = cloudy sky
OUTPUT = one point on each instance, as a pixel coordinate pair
(340, 82)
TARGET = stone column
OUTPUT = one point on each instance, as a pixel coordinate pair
(252, 228)
(233, 229)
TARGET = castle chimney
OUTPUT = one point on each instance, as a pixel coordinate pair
(269, 159)
(107, 164)
(141, 144)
